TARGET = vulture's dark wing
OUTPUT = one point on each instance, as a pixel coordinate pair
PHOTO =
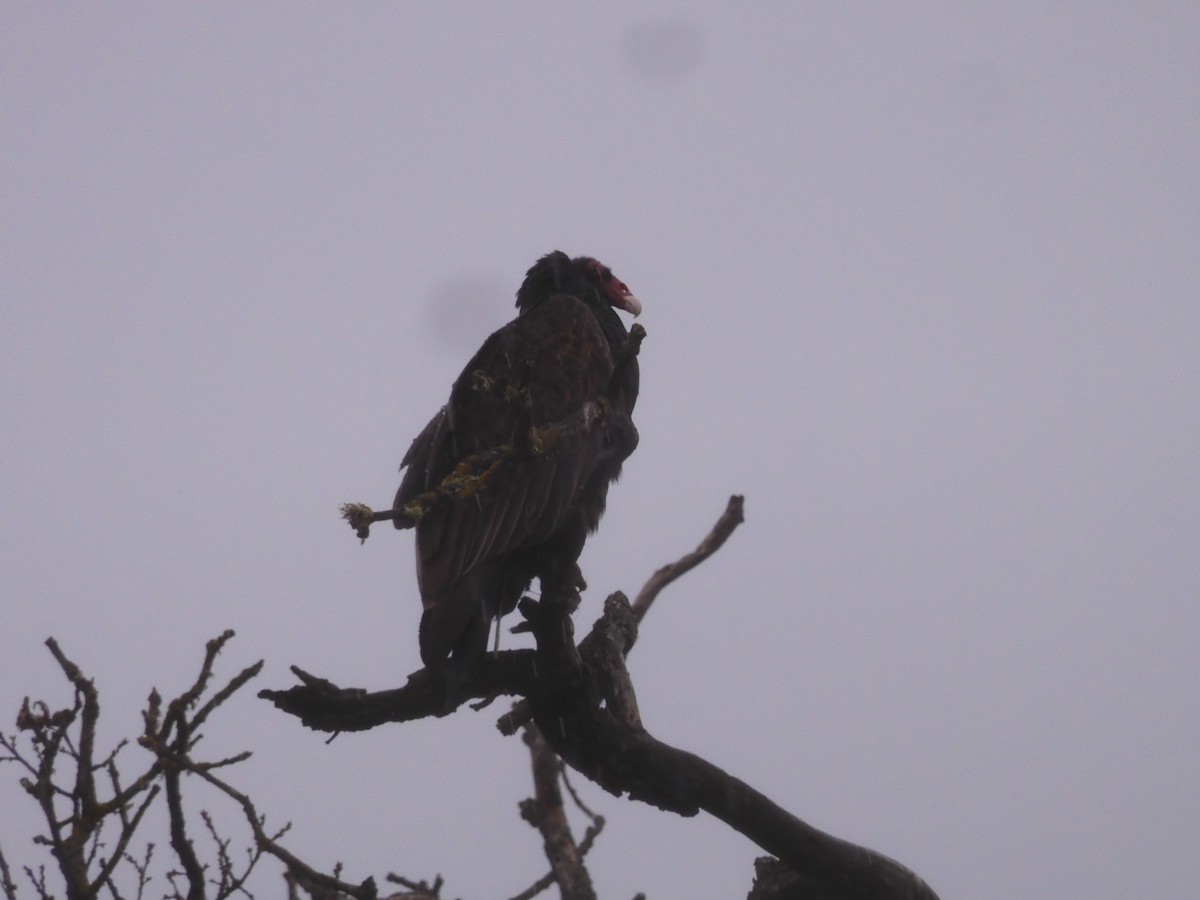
(470, 559)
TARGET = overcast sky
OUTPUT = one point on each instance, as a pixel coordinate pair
(921, 281)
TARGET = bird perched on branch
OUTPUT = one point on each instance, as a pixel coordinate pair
(536, 428)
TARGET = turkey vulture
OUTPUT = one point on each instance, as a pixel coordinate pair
(477, 554)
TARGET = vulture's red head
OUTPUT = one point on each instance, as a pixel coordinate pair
(582, 277)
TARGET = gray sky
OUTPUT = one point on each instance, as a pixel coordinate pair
(923, 284)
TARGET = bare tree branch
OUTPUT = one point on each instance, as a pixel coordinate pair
(417, 890)
(128, 827)
(578, 706)
(730, 519)
(176, 731)
(510, 722)
(6, 882)
(539, 886)
(38, 879)
(545, 812)
(323, 706)
(74, 837)
(585, 706)
(626, 759)
(180, 842)
(364, 891)
(142, 868)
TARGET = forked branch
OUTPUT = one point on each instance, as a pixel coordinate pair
(583, 701)
(64, 744)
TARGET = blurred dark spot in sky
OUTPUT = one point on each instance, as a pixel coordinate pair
(976, 92)
(663, 49)
(463, 311)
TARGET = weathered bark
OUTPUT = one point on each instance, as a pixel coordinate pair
(583, 702)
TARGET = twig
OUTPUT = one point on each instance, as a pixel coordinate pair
(143, 870)
(583, 807)
(177, 708)
(86, 857)
(235, 684)
(38, 879)
(418, 890)
(128, 827)
(730, 519)
(176, 734)
(6, 882)
(364, 891)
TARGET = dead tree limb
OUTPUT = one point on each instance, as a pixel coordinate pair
(730, 519)
(716, 537)
(64, 746)
(583, 702)
(545, 813)
(625, 759)
(6, 882)
(364, 891)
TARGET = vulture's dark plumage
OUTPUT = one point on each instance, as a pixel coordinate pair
(531, 516)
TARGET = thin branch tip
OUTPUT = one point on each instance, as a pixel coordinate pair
(733, 516)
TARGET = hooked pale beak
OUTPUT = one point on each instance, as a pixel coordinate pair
(630, 304)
